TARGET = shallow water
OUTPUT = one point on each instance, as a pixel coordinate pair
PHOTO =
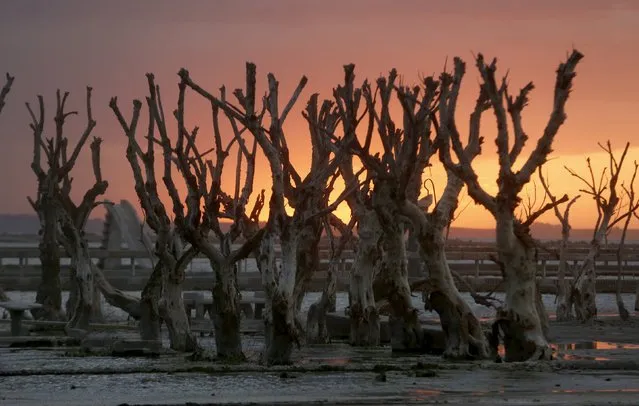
(481, 386)
(606, 303)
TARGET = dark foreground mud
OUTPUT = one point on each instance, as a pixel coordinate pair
(595, 364)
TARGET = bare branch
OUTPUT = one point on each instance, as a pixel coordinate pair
(5, 90)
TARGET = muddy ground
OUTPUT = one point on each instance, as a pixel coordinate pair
(596, 364)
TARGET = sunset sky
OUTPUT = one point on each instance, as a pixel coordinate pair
(111, 45)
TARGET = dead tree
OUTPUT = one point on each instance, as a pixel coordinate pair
(464, 335)
(281, 282)
(633, 206)
(49, 292)
(397, 185)
(316, 326)
(362, 308)
(162, 295)
(5, 90)
(393, 181)
(608, 215)
(564, 288)
(204, 204)
(3, 95)
(520, 321)
(66, 220)
(311, 194)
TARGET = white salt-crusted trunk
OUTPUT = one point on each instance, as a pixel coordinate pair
(406, 331)
(585, 290)
(227, 315)
(174, 315)
(363, 313)
(464, 336)
(280, 318)
(564, 288)
(520, 321)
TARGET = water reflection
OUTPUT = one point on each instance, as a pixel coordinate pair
(595, 345)
(559, 349)
(423, 394)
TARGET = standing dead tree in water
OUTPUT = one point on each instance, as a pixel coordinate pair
(609, 214)
(564, 288)
(392, 174)
(316, 326)
(3, 95)
(464, 335)
(204, 204)
(362, 308)
(632, 207)
(397, 185)
(162, 295)
(520, 321)
(283, 283)
(66, 221)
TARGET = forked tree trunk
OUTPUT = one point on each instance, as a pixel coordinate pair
(84, 286)
(585, 292)
(226, 313)
(406, 331)
(363, 313)
(173, 313)
(464, 335)
(50, 289)
(316, 328)
(564, 288)
(280, 318)
(307, 259)
(150, 320)
(520, 321)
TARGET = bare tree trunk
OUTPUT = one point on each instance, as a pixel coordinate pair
(227, 315)
(50, 290)
(307, 258)
(115, 297)
(544, 320)
(83, 285)
(520, 322)
(564, 288)
(97, 315)
(637, 298)
(464, 335)
(174, 315)
(280, 319)
(363, 313)
(316, 328)
(584, 292)
(150, 320)
(406, 331)
(623, 312)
